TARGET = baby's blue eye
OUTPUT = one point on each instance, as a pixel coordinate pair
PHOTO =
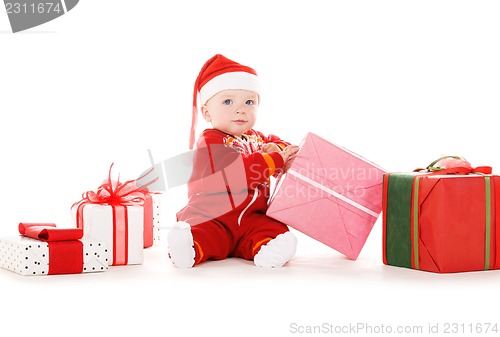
(249, 102)
(228, 102)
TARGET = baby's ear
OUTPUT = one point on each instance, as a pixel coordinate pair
(205, 113)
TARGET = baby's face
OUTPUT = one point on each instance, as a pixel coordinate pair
(232, 111)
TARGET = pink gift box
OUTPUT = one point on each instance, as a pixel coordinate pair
(330, 194)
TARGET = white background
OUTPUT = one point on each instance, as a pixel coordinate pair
(399, 82)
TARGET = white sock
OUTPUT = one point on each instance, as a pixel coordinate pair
(277, 252)
(181, 245)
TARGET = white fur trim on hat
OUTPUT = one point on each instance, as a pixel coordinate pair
(232, 80)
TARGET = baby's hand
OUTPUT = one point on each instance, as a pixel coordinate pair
(289, 151)
(270, 147)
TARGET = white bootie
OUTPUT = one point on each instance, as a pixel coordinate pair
(181, 245)
(277, 252)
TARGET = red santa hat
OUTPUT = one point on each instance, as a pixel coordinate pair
(220, 73)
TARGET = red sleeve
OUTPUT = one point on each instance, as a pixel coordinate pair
(241, 171)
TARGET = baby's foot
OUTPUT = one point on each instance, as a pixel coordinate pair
(277, 252)
(181, 245)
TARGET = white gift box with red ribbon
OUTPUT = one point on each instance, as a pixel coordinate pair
(120, 227)
(114, 213)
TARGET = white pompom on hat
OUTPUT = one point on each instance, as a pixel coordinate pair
(220, 73)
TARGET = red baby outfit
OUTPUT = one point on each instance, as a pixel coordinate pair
(228, 194)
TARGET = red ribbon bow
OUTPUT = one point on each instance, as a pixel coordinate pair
(113, 192)
(454, 165)
(48, 232)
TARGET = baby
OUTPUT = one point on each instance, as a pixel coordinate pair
(230, 183)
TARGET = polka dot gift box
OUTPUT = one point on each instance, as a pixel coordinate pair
(43, 249)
